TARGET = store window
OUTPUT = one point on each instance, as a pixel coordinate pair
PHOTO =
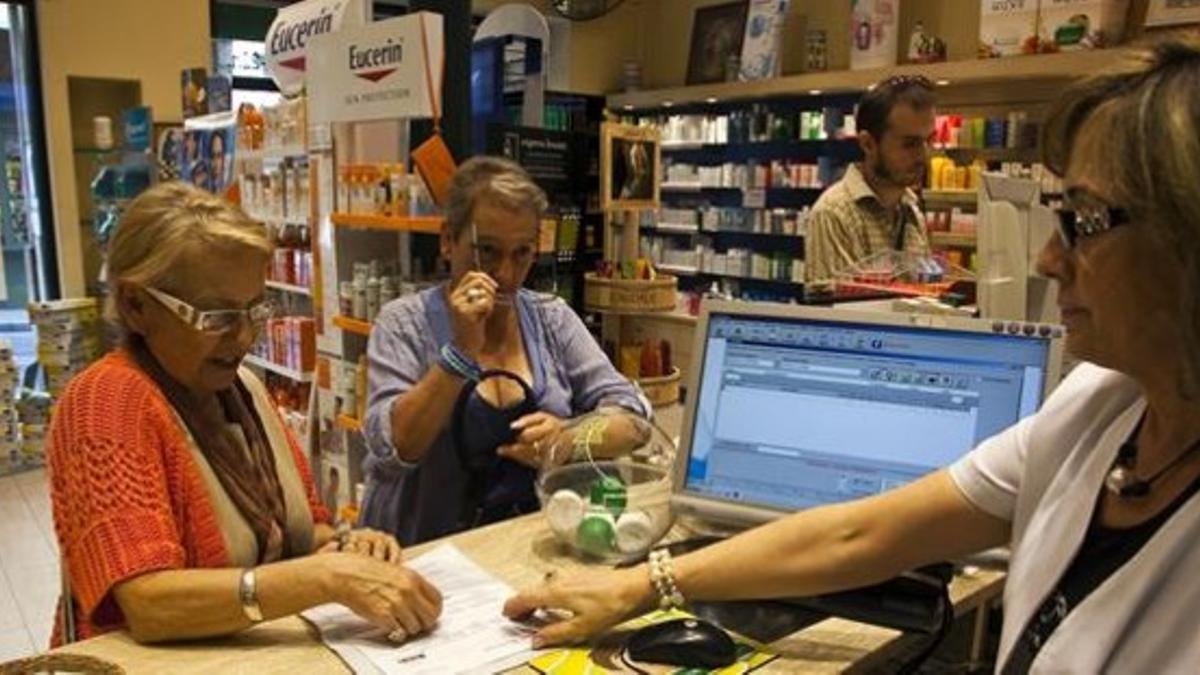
(28, 271)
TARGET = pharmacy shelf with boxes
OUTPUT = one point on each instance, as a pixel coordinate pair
(738, 183)
(965, 147)
(379, 244)
(275, 185)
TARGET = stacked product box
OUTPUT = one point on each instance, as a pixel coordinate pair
(33, 410)
(10, 438)
(70, 337)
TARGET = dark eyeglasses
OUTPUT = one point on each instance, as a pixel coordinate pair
(1088, 221)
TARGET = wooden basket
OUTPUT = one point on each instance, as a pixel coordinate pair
(661, 391)
(629, 295)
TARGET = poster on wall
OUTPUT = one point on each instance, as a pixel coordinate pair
(764, 33)
(208, 144)
(384, 70)
(630, 166)
(169, 151)
(288, 37)
(717, 33)
(873, 33)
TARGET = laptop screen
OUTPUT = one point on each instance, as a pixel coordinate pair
(795, 413)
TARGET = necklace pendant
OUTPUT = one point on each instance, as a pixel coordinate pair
(1123, 482)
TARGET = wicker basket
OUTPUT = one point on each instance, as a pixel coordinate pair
(661, 391)
(629, 295)
(60, 663)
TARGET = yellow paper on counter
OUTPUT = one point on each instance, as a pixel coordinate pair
(605, 658)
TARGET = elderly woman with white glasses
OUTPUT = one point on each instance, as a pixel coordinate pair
(1096, 493)
(182, 505)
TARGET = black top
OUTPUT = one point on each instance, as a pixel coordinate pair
(1103, 552)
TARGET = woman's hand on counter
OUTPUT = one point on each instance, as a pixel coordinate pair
(541, 436)
(372, 543)
(388, 595)
(596, 600)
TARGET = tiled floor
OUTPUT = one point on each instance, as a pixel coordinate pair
(29, 578)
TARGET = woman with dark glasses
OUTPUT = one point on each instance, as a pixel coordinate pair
(182, 505)
(1096, 493)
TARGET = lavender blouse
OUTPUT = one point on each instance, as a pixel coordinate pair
(424, 500)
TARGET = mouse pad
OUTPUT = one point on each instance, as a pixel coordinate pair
(607, 655)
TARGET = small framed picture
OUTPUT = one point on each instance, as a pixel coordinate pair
(630, 166)
(717, 35)
(1172, 12)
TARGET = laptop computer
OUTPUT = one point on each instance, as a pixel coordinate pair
(792, 407)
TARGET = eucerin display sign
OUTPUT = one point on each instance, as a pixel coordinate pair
(382, 70)
(294, 26)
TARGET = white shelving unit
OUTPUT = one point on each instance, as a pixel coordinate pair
(272, 154)
(289, 288)
(296, 376)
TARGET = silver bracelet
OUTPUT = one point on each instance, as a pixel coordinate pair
(248, 594)
(662, 576)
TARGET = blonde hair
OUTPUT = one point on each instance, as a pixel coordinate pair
(167, 223)
(1149, 105)
(496, 179)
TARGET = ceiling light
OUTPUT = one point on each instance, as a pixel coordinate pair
(942, 83)
(628, 107)
(711, 99)
(814, 92)
(668, 104)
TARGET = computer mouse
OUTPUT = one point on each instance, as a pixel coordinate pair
(688, 643)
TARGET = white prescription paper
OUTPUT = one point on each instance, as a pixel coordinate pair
(471, 635)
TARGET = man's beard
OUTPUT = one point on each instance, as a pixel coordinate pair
(883, 172)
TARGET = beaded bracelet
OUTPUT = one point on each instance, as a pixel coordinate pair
(662, 575)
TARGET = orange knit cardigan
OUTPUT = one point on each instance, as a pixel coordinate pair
(126, 495)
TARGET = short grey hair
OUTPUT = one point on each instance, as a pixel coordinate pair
(495, 179)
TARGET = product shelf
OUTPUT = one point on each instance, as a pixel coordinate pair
(980, 76)
(350, 325)
(951, 197)
(279, 153)
(349, 423)
(273, 367)
(358, 221)
(288, 288)
(952, 239)
(669, 229)
(694, 272)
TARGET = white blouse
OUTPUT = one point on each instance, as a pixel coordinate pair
(1044, 475)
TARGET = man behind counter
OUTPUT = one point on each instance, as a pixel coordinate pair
(873, 208)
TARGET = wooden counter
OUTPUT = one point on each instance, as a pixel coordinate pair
(520, 552)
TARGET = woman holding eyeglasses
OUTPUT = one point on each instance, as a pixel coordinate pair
(183, 507)
(1096, 493)
(476, 383)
